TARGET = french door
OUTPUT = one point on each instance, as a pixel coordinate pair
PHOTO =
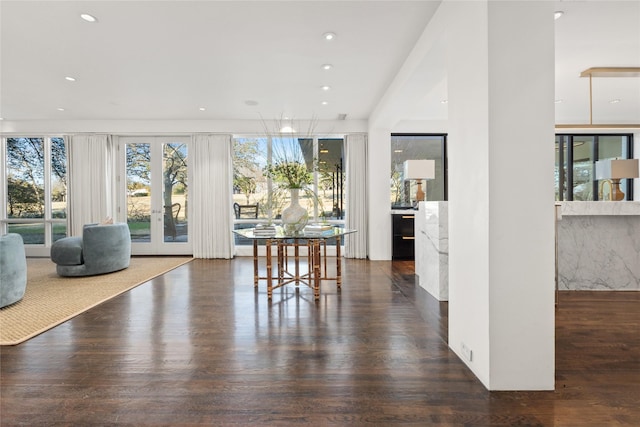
(155, 193)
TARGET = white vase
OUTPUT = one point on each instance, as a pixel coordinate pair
(294, 217)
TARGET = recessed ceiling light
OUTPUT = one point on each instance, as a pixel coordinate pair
(559, 101)
(202, 109)
(325, 103)
(326, 88)
(444, 101)
(88, 18)
(60, 109)
(287, 129)
(329, 36)
(70, 79)
(327, 66)
(557, 14)
(614, 101)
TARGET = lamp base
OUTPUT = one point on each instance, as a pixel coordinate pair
(616, 193)
(419, 193)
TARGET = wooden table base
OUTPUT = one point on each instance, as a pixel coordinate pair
(317, 266)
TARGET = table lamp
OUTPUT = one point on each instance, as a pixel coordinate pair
(419, 170)
(612, 171)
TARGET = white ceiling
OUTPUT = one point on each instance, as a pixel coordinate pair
(597, 34)
(166, 59)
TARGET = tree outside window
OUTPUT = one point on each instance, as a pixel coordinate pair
(36, 188)
(258, 165)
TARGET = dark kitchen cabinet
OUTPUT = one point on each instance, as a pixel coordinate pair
(403, 236)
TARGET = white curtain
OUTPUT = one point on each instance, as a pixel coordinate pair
(355, 245)
(91, 180)
(212, 197)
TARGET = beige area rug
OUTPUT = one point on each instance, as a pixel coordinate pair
(50, 300)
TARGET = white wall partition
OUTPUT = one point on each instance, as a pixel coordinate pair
(501, 209)
(379, 205)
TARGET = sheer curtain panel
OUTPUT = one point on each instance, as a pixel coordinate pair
(355, 245)
(92, 180)
(212, 198)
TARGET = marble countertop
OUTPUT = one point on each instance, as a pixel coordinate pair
(422, 206)
(567, 208)
(403, 211)
(599, 208)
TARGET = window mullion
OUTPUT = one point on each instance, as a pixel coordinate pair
(595, 156)
(269, 180)
(570, 168)
(315, 177)
(48, 226)
(4, 188)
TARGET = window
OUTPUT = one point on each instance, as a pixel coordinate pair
(258, 198)
(36, 190)
(418, 147)
(575, 164)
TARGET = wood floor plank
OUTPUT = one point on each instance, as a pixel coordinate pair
(200, 346)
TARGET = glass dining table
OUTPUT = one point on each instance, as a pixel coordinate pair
(288, 267)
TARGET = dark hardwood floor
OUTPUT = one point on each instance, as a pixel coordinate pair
(198, 346)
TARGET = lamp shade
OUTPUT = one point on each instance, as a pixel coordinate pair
(419, 169)
(617, 169)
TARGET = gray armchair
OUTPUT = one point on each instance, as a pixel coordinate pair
(13, 269)
(101, 249)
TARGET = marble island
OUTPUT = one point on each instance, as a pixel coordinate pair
(432, 248)
(599, 246)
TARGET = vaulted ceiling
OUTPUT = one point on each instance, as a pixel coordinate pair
(166, 60)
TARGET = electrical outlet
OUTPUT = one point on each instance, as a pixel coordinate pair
(466, 352)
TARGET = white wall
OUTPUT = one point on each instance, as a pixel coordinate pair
(159, 127)
(501, 70)
(468, 189)
(378, 180)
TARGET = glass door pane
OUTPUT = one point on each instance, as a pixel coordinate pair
(138, 173)
(174, 194)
